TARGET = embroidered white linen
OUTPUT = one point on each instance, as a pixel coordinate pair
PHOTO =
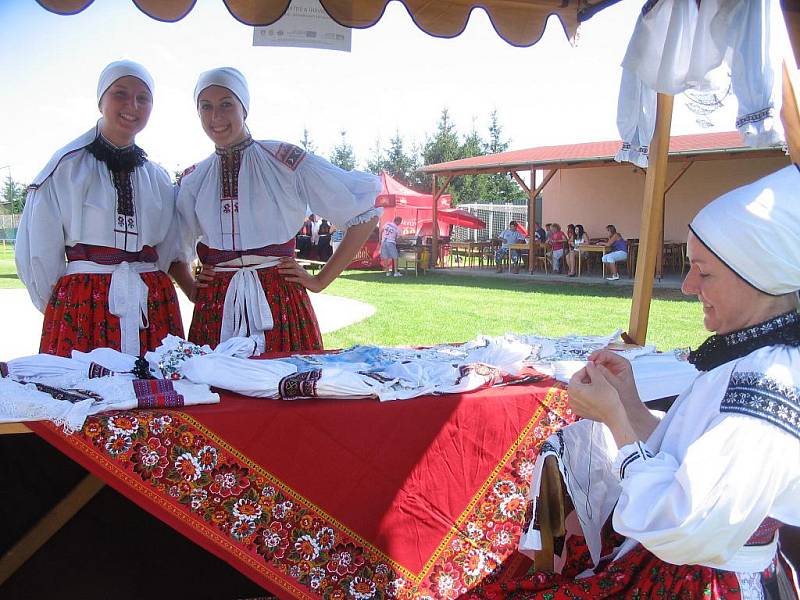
(675, 46)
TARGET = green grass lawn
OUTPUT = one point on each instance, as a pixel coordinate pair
(439, 308)
(8, 271)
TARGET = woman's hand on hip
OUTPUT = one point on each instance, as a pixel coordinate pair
(294, 272)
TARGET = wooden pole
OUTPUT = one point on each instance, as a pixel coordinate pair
(652, 215)
(532, 193)
(437, 193)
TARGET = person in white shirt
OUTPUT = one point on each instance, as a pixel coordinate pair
(389, 252)
(703, 492)
(240, 209)
(110, 212)
(510, 235)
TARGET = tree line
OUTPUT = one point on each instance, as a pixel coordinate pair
(444, 144)
(400, 161)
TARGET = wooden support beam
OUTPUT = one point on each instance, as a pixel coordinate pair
(54, 520)
(652, 215)
(532, 207)
(437, 193)
(10, 428)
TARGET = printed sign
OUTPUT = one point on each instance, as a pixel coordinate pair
(304, 25)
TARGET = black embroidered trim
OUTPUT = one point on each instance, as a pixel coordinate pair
(299, 385)
(124, 187)
(117, 159)
(719, 349)
(289, 154)
(230, 163)
(756, 117)
(3, 370)
(762, 397)
(120, 162)
(71, 396)
(641, 453)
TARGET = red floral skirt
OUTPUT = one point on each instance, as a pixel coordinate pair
(77, 316)
(295, 330)
(636, 576)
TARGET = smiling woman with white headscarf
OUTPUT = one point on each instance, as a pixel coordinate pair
(240, 209)
(111, 211)
(702, 493)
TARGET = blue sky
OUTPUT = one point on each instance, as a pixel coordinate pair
(396, 78)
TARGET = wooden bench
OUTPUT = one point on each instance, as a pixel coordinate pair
(310, 265)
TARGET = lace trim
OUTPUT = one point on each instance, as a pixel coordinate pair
(719, 349)
(117, 159)
(762, 397)
(364, 217)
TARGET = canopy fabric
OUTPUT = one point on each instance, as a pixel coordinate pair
(394, 193)
(454, 216)
(518, 22)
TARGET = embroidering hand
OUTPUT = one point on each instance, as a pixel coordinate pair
(293, 272)
(618, 372)
(593, 397)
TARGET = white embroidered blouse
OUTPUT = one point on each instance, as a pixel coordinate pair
(74, 200)
(724, 458)
(257, 194)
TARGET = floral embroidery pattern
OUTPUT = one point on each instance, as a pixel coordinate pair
(183, 465)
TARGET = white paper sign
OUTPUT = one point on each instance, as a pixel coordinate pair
(304, 25)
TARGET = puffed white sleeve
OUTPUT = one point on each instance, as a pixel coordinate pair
(170, 247)
(186, 222)
(39, 248)
(345, 198)
(703, 509)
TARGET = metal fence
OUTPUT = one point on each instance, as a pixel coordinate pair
(496, 217)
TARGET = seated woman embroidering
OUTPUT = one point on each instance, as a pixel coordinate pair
(703, 492)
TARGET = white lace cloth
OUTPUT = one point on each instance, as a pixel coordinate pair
(676, 45)
(24, 402)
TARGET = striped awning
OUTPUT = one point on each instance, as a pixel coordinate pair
(519, 22)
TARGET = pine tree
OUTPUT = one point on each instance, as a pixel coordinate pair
(443, 146)
(398, 164)
(343, 155)
(306, 142)
(501, 187)
(376, 161)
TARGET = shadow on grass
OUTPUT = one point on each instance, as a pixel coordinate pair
(483, 282)
(9, 276)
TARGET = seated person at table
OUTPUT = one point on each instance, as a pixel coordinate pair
(617, 252)
(324, 249)
(558, 246)
(509, 236)
(303, 239)
(540, 235)
(572, 256)
(700, 494)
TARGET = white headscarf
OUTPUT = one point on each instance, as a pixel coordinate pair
(123, 68)
(755, 230)
(226, 77)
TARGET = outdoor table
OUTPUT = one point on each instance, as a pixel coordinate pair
(522, 248)
(329, 497)
(600, 248)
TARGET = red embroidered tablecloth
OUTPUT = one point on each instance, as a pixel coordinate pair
(335, 498)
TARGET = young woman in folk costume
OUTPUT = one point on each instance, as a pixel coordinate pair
(241, 208)
(702, 493)
(107, 207)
